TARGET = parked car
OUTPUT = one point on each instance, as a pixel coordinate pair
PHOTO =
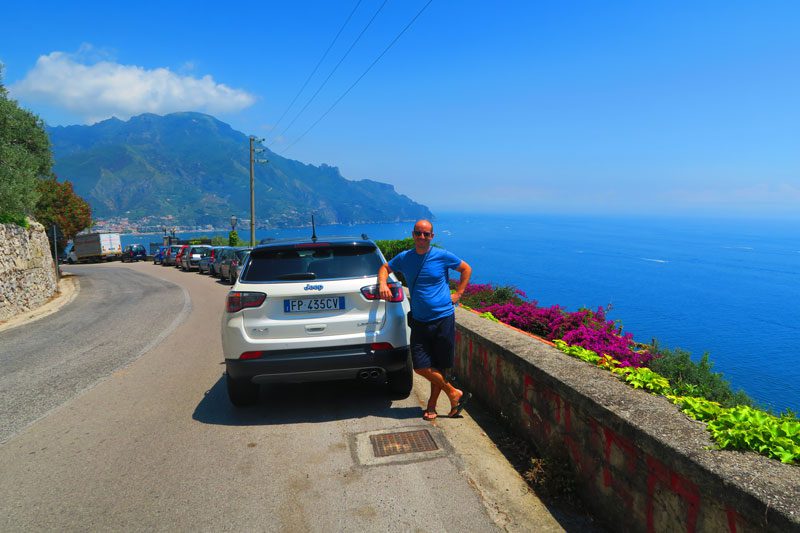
(206, 264)
(158, 257)
(179, 255)
(134, 252)
(214, 268)
(238, 262)
(224, 265)
(191, 258)
(171, 254)
(308, 310)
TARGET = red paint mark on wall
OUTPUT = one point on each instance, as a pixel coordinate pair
(528, 392)
(659, 474)
(629, 454)
(733, 519)
(485, 370)
(537, 398)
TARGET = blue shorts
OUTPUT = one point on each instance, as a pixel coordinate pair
(433, 344)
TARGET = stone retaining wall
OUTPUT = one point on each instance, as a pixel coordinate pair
(639, 463)
(27, 275)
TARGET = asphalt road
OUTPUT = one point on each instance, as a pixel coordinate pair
(118, 315)
(155, 444)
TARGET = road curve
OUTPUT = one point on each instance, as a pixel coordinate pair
(117, 316)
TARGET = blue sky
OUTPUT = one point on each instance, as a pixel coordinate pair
(688, 108)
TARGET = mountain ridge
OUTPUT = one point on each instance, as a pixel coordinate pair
(193, 169)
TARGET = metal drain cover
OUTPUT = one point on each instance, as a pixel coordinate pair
(405, 442)
(408, 444)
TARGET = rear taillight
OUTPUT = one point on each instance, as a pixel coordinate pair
(251, 355)
(381, 346)
(240, 300)
(370, 292)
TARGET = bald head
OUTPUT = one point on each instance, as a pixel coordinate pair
(423, 225)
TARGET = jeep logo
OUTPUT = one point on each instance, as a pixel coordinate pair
(310, 287)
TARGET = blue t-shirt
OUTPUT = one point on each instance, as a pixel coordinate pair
(430, 291)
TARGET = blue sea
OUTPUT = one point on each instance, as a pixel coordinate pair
(726, 287)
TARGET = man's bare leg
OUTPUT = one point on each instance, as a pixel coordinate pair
(438, 384)
(430, 410)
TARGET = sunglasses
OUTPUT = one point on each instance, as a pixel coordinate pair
(422, 233)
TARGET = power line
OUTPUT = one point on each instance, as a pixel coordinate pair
(362, 75)
(275, 127)
(334, 68)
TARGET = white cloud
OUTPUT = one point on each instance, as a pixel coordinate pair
(104, 89)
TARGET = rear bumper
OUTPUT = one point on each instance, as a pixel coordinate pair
(300, 366)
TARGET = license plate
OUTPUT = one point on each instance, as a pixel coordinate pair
(309, 305)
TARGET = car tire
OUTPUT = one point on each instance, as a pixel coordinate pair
(400, 382)
(241, 392)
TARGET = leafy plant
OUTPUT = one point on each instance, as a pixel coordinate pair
(643, 378)
(489, 316)
(483, 295)
(14, 218)
(692, 378)
(391, 247)
(60, 205)
(577, 351)
(233, 239)
(697, 408)
(24, 158)
(744, 428)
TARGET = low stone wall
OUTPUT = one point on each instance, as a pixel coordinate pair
(27, 275)
(639, 463)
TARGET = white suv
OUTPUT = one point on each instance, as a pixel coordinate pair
(309, 310)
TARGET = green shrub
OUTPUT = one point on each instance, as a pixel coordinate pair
(390, 248)
(14, 218)
(744, 428)
(483, 295)
(690, 378)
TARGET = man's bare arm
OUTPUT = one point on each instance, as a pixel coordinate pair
(466, 271)
(383, 288)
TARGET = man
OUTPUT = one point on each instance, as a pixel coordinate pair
(433, 327)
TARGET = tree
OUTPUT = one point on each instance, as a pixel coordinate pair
(233, 239)
(24, 157)
(58, 204)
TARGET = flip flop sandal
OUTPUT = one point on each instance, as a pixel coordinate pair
(429, 415)
(462, 402)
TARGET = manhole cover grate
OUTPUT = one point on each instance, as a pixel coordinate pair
(405, 442)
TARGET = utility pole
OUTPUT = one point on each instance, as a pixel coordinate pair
(253, 161)
(55, 255)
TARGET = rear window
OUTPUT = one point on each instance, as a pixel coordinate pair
(328, 262)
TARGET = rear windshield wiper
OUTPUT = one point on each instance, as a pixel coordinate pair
(298, 275)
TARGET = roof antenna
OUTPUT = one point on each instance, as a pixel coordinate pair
(313, 230)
